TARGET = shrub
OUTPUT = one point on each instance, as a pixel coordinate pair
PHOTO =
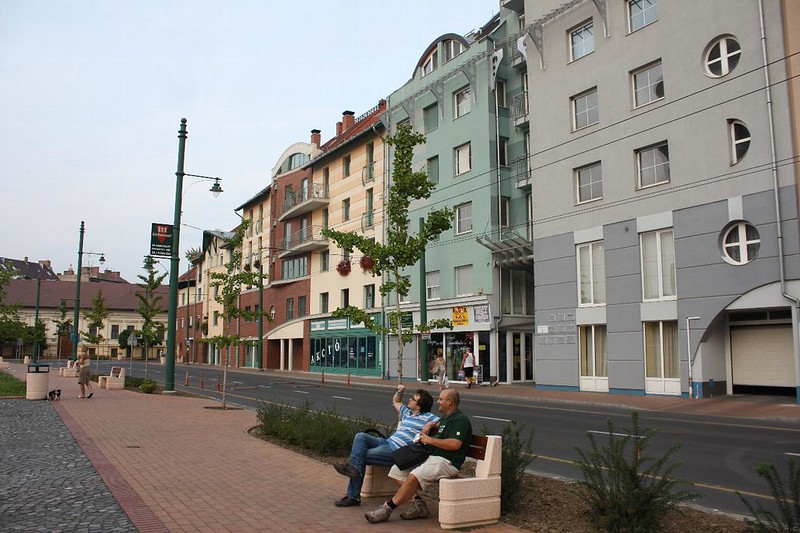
(624, 493)
(788, 504)
(515, 460)
(148, 386)
(323, 432)
(132, 382)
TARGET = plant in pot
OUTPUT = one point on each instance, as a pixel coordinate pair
(366, 263)
(344, 267)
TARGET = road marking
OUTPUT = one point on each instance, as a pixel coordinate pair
(792, 454)
(615, 434)
(493, 418)
(265, 386)
(301, 391)
(343, 398)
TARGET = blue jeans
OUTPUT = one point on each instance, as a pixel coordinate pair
(367, 450)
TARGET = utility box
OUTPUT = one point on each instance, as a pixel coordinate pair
(37, 381)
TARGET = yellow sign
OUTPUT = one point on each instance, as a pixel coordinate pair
(460, 316)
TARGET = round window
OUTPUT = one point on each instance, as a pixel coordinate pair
(740, 243)
(722, 56)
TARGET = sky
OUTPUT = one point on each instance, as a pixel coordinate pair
(92, 95)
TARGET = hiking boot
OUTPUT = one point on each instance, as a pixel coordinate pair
(347, 469)
(381, 514)
(347, 501)
(417, 509)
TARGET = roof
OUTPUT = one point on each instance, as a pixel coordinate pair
(361, 126)
(118, 296)
(24, 268)
(263, 193)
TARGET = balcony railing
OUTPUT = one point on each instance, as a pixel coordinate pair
(519, 108)
(368, 220)
(520, 170)
(303, 201)
(368, 173)
(305, 240)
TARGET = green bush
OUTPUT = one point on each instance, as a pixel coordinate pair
(515, 460)
(788, 504)
(323, 432)
(626, 490)
(148, 386)
(132, 382)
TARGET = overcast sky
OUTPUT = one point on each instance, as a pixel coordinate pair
(92, 94)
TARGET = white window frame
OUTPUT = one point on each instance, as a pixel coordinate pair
(662, 379)
(500, 93)
(503, 152)
(593, 352)
(369, 296)
(591, 273)
(646, 13)
(462, 102)
(654, 268)
(433, 285)
(505, 211)
(581, 40)
(462, 221)
(582, 106)
(462, 158)
(645, 81)
(429, 64)
(736, 141)
(345, 209)
(745, 247)
(590, 186)
(452, 49)
(458, 273)
(727, 60)
(647, 162)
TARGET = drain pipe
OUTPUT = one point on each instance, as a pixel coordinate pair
(776, 191)
(689, 353)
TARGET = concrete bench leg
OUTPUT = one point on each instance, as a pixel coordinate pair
(377, 482)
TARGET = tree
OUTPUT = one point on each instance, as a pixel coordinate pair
(63, 325)
(193, 253)
(11, 327)
(402, 249)
(150, 304)
(230, 289)
(96, 321)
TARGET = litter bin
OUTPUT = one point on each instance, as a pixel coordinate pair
(37, 381)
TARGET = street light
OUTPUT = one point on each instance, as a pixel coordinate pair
(76, 336)
(689, 352)
(172, 311)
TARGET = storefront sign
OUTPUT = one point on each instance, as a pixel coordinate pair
(340, 323)
(460, 316)
(480, 314)
(318, 325)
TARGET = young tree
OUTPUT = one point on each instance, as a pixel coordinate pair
(150, 305)
(11, 327)
(63, 325)
(230, 289)
(96, 321)
(402, 249)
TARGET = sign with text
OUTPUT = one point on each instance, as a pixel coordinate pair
(161, 240)
(460, 316)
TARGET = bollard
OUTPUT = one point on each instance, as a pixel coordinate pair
(348, 378)
(218, 389)
(323, 377)
(201, 381)
(186, 381)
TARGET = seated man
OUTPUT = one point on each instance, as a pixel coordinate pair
(371, 450)
(449, 446)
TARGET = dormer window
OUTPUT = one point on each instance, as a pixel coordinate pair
(297, 160)
(452, 48)
(429, 64)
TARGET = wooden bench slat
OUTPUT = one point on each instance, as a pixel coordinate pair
(477, 448)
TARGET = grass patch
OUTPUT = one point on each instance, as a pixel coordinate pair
(11, 386)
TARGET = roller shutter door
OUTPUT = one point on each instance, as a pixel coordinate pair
(763, 356)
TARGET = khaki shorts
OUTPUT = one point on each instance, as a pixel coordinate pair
(431, 471)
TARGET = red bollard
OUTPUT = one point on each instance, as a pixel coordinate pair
(348, 378)
(218, 390)
(201, 381)
(323, 377)
(186, 381)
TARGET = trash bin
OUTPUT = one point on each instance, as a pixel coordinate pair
(37, 381)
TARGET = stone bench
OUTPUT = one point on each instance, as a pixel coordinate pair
(69, 371)
(114, 381)
(464, 501)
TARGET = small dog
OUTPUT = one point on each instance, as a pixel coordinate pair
(54, 395)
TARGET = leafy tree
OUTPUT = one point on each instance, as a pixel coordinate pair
(36, 333)
(96, 320)
(63, 324)
(11, 327)
(403, 249)
(150, 304)
(193, 253)
(230, 284)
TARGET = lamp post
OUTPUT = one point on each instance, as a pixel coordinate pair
(76, 336)
(172, 311)
(689, 352)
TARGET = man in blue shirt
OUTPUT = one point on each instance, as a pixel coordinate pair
(371, 450)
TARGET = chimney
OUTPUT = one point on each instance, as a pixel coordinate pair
(348, 120)
(26, 259)
(45, 263)
(338, 128)
(315, 138)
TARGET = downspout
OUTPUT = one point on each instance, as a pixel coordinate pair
(776, 191)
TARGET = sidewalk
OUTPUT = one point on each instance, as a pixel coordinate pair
(175, 463)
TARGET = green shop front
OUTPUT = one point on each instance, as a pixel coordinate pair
(339, 347)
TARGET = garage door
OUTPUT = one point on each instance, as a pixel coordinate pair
(762, 355)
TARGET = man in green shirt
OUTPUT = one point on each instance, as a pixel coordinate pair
(448, 441)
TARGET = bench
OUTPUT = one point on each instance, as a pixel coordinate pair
(70, 371)
(115, 380)
(464, 501)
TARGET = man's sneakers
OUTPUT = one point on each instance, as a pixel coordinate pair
(90, 395)
(381, 514)
(417, 509)
(347, 501)
(347, 469)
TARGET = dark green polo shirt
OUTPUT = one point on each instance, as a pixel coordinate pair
(455, 426)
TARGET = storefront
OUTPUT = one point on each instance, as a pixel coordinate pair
(338, 347)
(453, 346)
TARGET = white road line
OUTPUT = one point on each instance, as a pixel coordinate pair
(793, 454)
(301, 391)
(265, 386)
(492, 418)
(342, 397)
(606, 433)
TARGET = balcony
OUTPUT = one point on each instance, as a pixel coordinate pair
(514, 5)
(520, 171)
(304, 201)
(368, 173)
(306, 240)
(519, 109)
(368, 220)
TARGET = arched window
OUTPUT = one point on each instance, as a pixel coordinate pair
(740, 140)
(429, 63)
